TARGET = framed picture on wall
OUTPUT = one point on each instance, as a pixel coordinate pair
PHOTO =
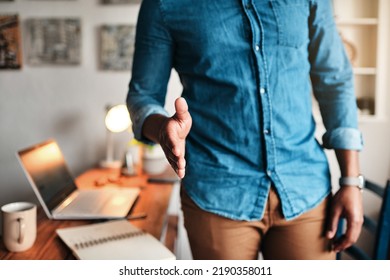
(117, 47)
(54, 41)
(10, 48)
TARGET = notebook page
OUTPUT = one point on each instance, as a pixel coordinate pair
(115, 240)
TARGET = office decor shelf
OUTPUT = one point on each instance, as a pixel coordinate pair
(356, 21)
(363, 28)
(364, 70)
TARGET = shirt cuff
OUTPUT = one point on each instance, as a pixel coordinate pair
(140, 117)
(343, 138)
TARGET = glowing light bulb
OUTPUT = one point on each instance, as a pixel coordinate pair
(118, 118)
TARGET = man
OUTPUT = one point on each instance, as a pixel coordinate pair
(254, 176)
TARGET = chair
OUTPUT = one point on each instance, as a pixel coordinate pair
(380, 229)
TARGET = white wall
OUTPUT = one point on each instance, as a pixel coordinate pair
(66, 103)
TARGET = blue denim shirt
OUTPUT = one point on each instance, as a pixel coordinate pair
(248, 68)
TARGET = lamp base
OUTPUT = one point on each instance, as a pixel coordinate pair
(114, 164)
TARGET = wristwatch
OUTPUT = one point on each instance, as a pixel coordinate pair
(353, 181)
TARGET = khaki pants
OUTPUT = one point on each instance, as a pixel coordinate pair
(214, 237)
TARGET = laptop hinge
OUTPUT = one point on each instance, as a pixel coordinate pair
(66, 202)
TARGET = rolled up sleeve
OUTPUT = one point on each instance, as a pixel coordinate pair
(343, 138)
(332, 79)
(151, 69)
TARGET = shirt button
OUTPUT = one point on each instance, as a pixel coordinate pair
(269, 173)
(262, 90)
(257, 48)
(248, 6)
(266, 131)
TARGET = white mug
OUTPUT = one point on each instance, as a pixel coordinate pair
(19, 225)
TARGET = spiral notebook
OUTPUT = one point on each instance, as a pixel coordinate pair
(114, 240)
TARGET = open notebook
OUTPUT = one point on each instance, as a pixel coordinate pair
(114, 240)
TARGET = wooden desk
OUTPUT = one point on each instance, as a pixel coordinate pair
(153, 200)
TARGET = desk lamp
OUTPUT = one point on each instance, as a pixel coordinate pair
(117, 120)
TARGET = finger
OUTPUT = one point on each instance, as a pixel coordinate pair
(168, 151)
(181, 108)
(181, 163)
(167, 148)
(176, 162)
(340, 244)
(175, 155)
(173, 139)
(352, 233)
(181, 173)
(179, 148)
(173, 146)
(171, 158)
(176, 150)
(177, 165)
(335, 216)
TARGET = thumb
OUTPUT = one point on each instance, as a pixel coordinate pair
(181, 108)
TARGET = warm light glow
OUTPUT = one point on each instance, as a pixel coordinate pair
(118, 118)
(47, 157)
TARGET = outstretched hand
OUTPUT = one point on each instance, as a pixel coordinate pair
(173, 134)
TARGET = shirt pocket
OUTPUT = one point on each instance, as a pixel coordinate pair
(292, 18)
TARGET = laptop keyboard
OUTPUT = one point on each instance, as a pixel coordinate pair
(89, 202)
(101, 203)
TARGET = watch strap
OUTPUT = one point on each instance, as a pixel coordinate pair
(352, 181)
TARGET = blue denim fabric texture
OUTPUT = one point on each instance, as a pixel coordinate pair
(248, 68)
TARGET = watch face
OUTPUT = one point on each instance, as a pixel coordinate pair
(362, 181)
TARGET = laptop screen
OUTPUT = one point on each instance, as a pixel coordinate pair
(46, 167)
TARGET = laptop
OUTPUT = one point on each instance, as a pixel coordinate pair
(46, 170)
